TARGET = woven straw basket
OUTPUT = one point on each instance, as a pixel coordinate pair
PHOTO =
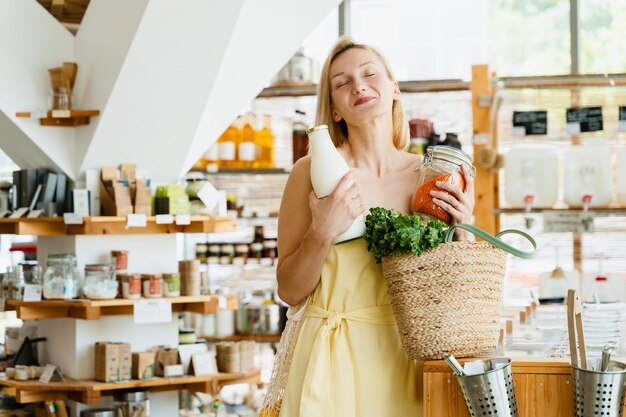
(449, 299)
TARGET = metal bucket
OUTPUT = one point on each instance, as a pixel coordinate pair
(599, 393)
(490, 393)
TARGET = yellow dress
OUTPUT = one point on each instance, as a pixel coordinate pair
(348, 360)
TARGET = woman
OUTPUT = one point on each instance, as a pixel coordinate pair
(348, 360)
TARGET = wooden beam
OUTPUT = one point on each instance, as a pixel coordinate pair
(57, 7)
(486, 185)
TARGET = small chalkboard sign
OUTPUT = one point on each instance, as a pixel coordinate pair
(533, 122)
(622, 118)
(584, 119)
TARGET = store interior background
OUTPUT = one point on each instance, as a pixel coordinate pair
(441, 40)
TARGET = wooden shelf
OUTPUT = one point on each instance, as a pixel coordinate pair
(63, 118)
(608, 210)
(94, 309)
(54, 226)
(420, 86)
(90, 391)
(260, 338)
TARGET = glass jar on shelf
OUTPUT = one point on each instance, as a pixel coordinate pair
(100, 282)
(441, 163)
(132, 404)
(61, 280)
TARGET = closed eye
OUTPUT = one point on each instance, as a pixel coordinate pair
(370, 75)
(341, 84)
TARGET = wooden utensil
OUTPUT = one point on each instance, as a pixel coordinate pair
(575, 329)
(70, 69)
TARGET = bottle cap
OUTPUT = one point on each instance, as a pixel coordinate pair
(316, 128)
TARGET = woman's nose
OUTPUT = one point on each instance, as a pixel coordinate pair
(358, 87)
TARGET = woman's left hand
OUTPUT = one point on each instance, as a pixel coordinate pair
(459, 204)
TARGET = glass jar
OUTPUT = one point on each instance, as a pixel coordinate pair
(131, 286)
(171, 284)
(132, 404)
(152, 285)
(441, 163)
(100, 282)
(61, 281)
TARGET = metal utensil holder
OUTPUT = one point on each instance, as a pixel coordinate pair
(599, 393)
(490, 393)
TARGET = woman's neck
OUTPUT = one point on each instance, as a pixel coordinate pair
(370, 146)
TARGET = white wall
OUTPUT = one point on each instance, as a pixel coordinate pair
(31, 41)
(167, 79)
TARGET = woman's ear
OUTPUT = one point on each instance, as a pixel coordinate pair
(396, 91)
(336, 116)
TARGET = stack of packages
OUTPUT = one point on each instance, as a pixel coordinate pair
(189, 277)
(234, 357)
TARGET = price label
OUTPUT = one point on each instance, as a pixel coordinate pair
(49, 373)
(573, 128)
(33, 214)
(19, 213)
(183, 219)
(153, 311)
(589, 119)
(164, 219)
(519, 131)
(533, 122)
(567, 222)
(72, 218)
(32, 292)
(209, 195)
(222, 302)
(136, 220)
(61, 113)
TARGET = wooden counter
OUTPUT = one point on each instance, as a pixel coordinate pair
(543, 387)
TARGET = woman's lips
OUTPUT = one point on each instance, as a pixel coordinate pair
(363, 100)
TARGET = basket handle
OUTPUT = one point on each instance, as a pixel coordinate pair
(495, 240)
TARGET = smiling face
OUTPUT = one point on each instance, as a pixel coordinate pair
(360, 88)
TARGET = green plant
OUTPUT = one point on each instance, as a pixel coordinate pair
(388, 232)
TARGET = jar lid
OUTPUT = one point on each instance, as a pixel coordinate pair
(131, 396)
(98, 412)
(453, 155)
(99, 268)
(61, 259)
(316, 128)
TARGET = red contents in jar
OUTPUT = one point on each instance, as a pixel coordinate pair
(422, 201)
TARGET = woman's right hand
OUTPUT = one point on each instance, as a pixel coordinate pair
(334, 214)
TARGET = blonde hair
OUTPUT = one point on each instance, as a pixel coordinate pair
(339, 130)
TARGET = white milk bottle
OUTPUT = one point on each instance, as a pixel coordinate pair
(327, 169)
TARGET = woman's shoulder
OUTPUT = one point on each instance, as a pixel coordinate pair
(301, 170)
(410, 160)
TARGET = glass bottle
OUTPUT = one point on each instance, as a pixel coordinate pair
(248, 149)
(327, 169)
(299, 138)
(61, 281)
(18, 283)
(228, 143)
(264, 139)
(441, 163)
(256, 247)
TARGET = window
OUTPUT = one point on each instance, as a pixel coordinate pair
(602, 36)
(443, 39)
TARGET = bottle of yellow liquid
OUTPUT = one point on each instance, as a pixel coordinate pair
(264, 140)
(228, 144)
(247, 148)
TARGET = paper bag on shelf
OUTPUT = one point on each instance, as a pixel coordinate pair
(165, 357)
(115, 198)
(143, 365)
(107, 362)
